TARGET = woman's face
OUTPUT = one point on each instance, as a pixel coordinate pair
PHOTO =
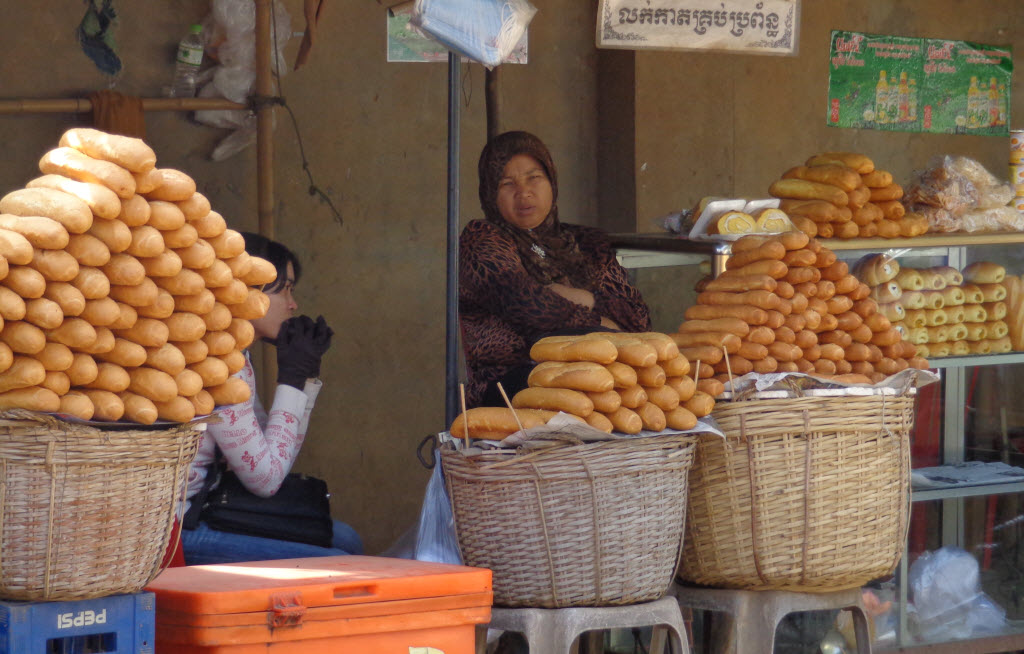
(282, 307)
(524, 192)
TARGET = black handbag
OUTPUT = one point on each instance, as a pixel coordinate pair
(300, 510)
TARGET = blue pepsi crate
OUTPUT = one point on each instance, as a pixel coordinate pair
(118, 624)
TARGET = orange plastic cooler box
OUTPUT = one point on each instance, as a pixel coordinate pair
(331, 604)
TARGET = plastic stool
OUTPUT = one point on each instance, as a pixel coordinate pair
(757, 613)
(554, 631)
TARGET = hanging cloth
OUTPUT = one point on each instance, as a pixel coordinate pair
(117, 113)
(95, 34)
(313, 11)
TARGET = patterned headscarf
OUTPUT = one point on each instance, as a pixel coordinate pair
(549, 253)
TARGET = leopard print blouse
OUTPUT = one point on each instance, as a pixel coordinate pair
(503, 310)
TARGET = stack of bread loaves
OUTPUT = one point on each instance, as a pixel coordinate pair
(943, 311)
(124, 296)
(786, 304)
(843, 195)
(624, 382)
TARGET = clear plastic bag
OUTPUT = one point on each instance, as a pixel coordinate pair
(482, 30)
(231, 41)
(947, 599)
(435, 536)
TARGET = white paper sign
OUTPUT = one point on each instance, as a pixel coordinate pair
(745, 26)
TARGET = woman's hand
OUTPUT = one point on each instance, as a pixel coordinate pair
(583, 298)
(575, 295)
(301, 344)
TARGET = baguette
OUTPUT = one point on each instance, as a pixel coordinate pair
(71, 212)
(196, 206)
(165, 264)
(200, 256)
(177, 409)
(218, 318)
(203, 402)
(554, 399)
(33, 398)
(580, 375)
(160, 308)
(165, 216)
(77, 404)
(88, 250)
(189, 383)
(591, 347)
(43, 313)
(605, 402)
(625, 421)
(148, 181)
(234, 360)
(110, 377)
(175, 186)
(182, 237)
(651, 417)
(153, 384)
(138, 409)
(108, 406)
(127, 152)
(600, 421)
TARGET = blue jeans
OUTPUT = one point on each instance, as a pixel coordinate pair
(204, 545)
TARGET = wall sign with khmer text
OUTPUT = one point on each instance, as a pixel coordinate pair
(741, 26)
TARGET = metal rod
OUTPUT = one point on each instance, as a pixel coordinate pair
(452, 293)
(84, 105)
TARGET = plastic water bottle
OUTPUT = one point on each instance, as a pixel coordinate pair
(186, 68)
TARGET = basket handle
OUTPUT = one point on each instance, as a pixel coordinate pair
(753, 500)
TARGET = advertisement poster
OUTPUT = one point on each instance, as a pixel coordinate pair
(918, 85)
(740, 26)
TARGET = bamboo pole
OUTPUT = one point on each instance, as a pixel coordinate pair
(84, 105)
(265, 159)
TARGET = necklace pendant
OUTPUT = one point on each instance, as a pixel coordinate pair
(539, 250)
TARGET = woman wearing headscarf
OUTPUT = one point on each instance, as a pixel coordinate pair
(523, 274)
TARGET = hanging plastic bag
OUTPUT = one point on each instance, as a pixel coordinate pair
(482, 30)
(231, 41)
(435, 538)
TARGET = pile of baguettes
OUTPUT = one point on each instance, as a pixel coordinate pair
(613, 381)
(948, 312)
(123, 296)
(843, 195)
(787, 304)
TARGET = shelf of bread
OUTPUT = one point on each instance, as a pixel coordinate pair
(947, 312)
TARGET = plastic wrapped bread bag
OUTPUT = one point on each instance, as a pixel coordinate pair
(486, 31)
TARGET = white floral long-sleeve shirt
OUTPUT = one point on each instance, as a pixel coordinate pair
(259, 448)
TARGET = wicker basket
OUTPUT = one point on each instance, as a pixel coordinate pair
(86, 512)
(593, 524)
(808, 493)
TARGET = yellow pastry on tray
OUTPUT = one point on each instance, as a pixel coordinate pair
(772, 221)
(734, 222)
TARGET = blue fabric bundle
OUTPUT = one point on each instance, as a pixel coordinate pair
(483, 30)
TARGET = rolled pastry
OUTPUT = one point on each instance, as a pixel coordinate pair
(933, 299)
(957, 332)
(984, 272)
(875, 269)
(912, 300)
(892, 310)
(995, 310)
(935, 317)
(940, 350)
(992, 292)
(916, 318)
(910, 279)
(973, 294)
(954, 315)
(938, 334)
(975, 313)
(960, 348)
(953, 296)
(1000, 345)
(976, 331)
(982, 346)
(950, 274)
(997, 329)
(888, 291)
(933, 280)
(917, 335)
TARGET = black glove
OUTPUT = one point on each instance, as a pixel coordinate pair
(301, 344)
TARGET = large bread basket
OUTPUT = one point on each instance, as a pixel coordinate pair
(806, 493)
(590, 524)
(86, 512)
